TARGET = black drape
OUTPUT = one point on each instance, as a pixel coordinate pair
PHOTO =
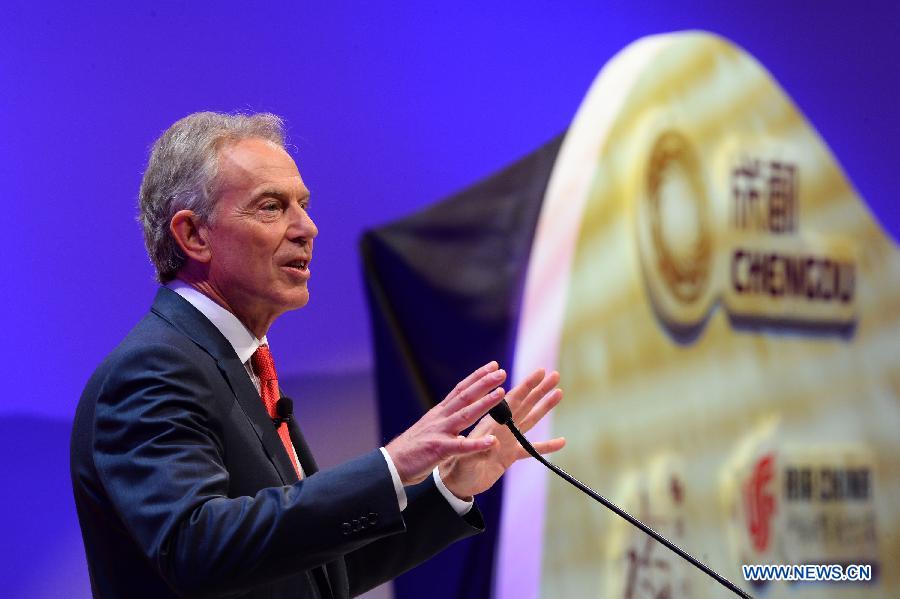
(444, 288)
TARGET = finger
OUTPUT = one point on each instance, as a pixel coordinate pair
(476, 390)
(468, 415)
(464, 445)
(540, 391)
(477, 374)
(520, 391)
(543, 447)
(487, 425)
(547, 403)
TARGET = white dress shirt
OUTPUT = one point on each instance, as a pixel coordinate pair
(245, 344)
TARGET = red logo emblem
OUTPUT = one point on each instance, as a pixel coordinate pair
(759, 502)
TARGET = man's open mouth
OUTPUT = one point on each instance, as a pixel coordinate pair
(298, 264)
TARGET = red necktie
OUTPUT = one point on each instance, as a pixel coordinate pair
(264, 367)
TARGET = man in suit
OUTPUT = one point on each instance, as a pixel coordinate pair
(190, 478)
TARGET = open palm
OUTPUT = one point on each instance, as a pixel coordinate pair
(531, 400)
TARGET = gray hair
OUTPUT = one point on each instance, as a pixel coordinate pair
(181, 175)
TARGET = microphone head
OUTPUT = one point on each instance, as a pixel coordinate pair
(501, 412)
(284, 407)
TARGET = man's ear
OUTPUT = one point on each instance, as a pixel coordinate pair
(191, 236)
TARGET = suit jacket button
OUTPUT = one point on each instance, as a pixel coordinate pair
(345, 528)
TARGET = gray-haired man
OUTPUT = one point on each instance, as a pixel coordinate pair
(187, 479)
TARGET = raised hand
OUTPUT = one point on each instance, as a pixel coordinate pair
(435, 437)
(470, 474)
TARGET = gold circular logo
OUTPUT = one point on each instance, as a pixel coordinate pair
(675, 232)
(679, 217)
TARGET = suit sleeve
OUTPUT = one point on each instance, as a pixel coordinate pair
(158, 455)
(431, 525)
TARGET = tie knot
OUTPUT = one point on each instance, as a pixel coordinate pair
(263, 364)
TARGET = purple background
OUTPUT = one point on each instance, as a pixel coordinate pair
(390, 108)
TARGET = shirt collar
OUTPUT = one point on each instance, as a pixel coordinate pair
(239, 336)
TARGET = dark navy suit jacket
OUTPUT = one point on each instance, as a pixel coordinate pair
(183, 487)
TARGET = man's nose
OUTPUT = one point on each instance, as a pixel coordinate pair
(302, 226)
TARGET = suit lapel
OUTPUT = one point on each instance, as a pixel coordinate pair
(307, 461)
(183, 316)
(250, 402)
(171, 307)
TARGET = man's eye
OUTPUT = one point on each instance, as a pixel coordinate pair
(271, 206)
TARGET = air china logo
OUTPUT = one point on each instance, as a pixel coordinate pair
(738, 241)
(807, 505)
(759, 502)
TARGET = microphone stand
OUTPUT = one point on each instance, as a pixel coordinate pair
(503, 415)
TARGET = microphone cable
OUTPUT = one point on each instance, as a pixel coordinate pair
(503, 415)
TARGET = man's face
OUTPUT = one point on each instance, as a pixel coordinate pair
(260, 236)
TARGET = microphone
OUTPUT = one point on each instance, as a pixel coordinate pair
(284, 409)
(503, 415)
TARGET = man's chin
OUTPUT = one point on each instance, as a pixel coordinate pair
(298, 301)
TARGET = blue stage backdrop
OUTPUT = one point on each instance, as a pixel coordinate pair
(389, 107)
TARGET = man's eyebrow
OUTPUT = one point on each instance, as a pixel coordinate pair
(279, 195)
